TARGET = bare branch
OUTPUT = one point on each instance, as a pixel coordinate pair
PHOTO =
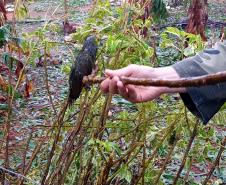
(183, 82)
(18, 175)
(186, 153)
(216, 162)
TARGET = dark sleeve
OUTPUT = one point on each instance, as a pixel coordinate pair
(205, 101)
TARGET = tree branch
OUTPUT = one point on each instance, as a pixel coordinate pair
(18, 175)
(194, 133)
(216, 162)
(183, 82)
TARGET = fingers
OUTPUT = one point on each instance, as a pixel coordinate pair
(128, 92)
(104, 86)
(132, 94)
(110, 85)
(113, 88)
(114, 76)
(122, 90)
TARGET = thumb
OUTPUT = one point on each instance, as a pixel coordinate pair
(126, 71)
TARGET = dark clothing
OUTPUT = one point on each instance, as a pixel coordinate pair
(204, 101)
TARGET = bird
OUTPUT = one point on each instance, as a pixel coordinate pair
(83, 65)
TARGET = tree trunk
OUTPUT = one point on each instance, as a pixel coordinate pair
(197, 18)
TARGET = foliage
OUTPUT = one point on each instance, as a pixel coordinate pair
(159, 11)
(20, 10)
(112, 25)
(185, 43)
(4, 35)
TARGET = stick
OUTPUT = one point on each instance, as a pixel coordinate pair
(183, 82)
(216, 162)
(186, 153)
(34, 21)
(18, 175)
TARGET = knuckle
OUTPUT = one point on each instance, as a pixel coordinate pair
(132, 66)
(115, 79)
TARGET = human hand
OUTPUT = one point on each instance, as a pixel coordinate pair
(134, 93)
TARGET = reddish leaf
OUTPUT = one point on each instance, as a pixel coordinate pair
(28, 88)
(3, 83)
(2, 98)
(15, 47)
(3, 113)
(3, 68)
(147, 13)
(13, 135)
(69, 27)
(19, 67)
(42, 59)
(56, 62)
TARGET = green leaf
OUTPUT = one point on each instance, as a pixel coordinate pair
(124, 173)
(21, 11)
(4, 34)
(189, 51)
(66, 69)
(7, 59)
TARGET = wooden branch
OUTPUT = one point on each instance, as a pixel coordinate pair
(168, 158)
(18, 175)
(184, 23)
(194, 133)
(216, 162)
(183, 82)
(30, 21)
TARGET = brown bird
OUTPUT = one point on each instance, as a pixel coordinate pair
(83, 66)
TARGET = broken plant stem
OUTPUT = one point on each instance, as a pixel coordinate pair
(168, 158)
(26, 150)
(18, 175)
(46, 79)
(186, 178)
(194, 133)
(155, 151)
(183, 82)
(66, 10)
(104, 116)
(216, 162)
(69, 143)
(10, 106)
(55, 142)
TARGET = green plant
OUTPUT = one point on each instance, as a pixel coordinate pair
(186, 44)
(120, 42)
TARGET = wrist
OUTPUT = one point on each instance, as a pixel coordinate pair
(165, 73)
(168, 73)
